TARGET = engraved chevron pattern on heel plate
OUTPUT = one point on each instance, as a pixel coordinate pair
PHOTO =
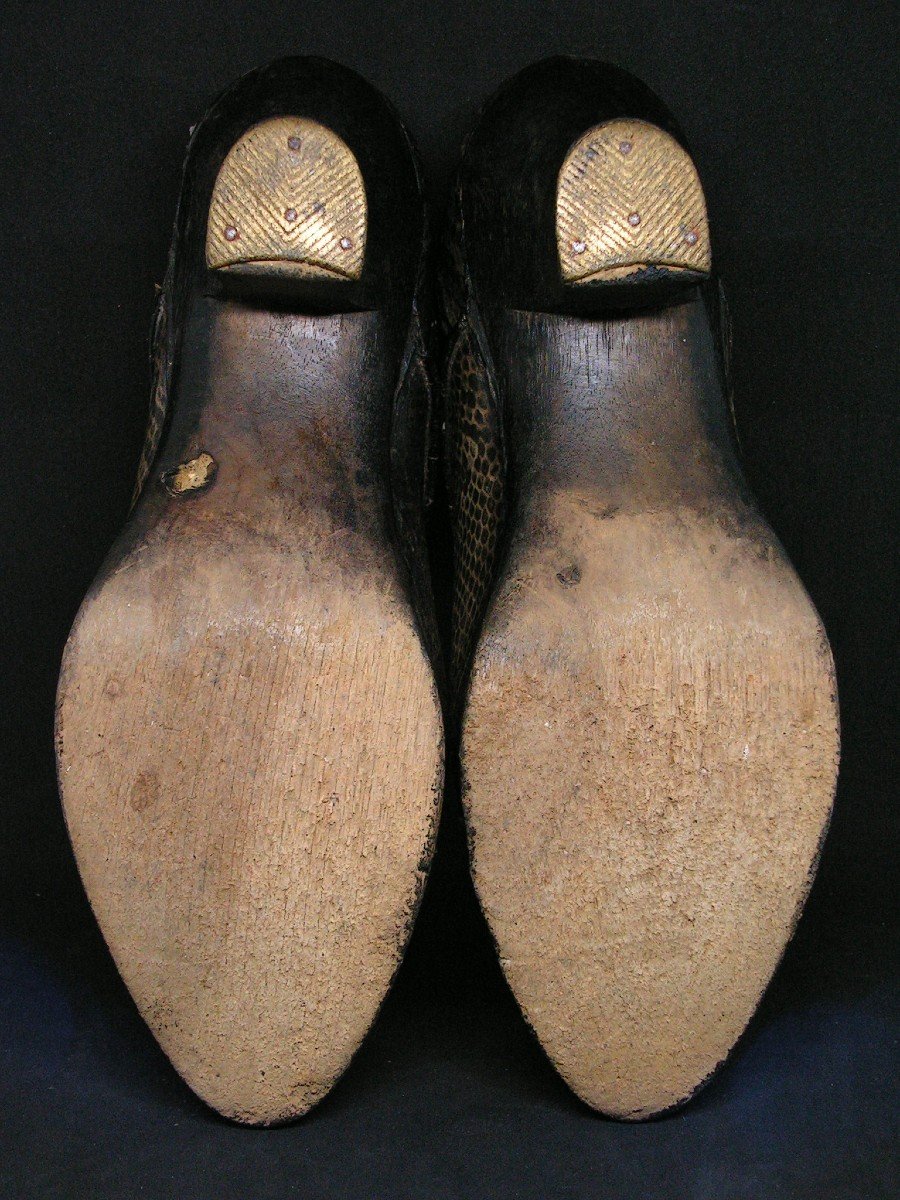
(288, 200)
(629, 198)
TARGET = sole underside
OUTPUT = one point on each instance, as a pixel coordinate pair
(650, 740)
(649, 767)
(249, 738)
(251, 770)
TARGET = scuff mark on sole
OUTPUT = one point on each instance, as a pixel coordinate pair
(191, 476)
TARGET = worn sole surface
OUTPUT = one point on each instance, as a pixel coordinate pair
(249, 737)
(650, 741)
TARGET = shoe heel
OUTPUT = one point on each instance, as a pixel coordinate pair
(288, 202)
(630, 208)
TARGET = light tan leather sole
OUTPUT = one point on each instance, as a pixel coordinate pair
(650, 742)
(250, 766)
(249, 739)
(649, 756)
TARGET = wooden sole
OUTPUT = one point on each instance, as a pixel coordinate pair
(650, 740)
(249, 737)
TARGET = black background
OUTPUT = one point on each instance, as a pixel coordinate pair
(791, 111)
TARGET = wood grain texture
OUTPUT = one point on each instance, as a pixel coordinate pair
(651, 737)
(249, 737)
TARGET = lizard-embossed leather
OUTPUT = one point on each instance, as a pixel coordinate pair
(477, 470)
(160, 364)
(476, 479)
